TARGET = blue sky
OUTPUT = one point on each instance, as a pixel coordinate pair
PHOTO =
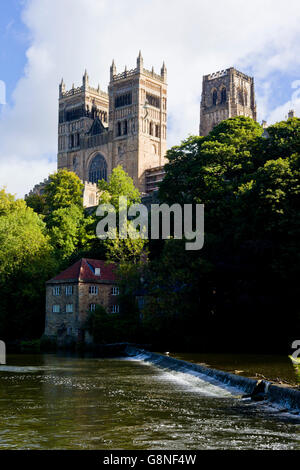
(43, 40)
(14, 40)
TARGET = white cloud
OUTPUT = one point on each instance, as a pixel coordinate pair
(194, 37)
(281, 112)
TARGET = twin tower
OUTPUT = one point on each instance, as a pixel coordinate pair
(128, 125)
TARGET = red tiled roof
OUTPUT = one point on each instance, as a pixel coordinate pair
(84, 270)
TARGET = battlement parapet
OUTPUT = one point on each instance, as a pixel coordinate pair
(215, 75)
(132, 72)
(83, 89)
(88, 184)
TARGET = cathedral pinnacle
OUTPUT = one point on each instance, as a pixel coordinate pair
(113, 69)
(62, 86)
(163, 71)
(140, 61)
(85, 80)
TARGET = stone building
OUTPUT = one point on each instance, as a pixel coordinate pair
(126, 126)
(75, 292)
(226, 94)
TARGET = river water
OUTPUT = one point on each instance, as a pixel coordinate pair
(52, 402)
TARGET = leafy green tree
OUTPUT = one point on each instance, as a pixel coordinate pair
(37, 203)
(68, 230)
(63, 190)
(249, 182)
(26, 262)
(117, 248)
(119, 184)
(110, 328)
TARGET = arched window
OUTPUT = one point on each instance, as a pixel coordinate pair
(151, 128)
(241, 97)
(223, 95)
(119, 129)
(98, 169)
(214, 97)
(92, 199)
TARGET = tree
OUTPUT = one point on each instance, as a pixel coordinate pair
(117, 248)
(64, 189)
(68, 230)
(119, 184)
(26, 262)
(249, 183)
(37, 203)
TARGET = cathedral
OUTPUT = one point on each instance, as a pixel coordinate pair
(126, 126)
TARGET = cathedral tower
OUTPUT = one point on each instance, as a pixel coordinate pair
(138, 119)
(126, 126)
(226, 94)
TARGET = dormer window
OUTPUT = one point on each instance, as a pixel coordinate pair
(97, 272)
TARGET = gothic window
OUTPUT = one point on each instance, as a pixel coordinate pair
(98, 169)
(92, 199)
(125, 127)
(246, 98)
(153, 100)
(223, 95)
(123, 100)
(214, 97)
(119, 129)
(157, 131)
(151, 128)
(241, 97)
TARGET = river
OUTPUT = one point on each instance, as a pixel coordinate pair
(56, 402)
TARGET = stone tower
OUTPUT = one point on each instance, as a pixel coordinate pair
(226, 94)
(126, 126)
(138, 119)
(79, 108)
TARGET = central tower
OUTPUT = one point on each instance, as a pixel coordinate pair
(138, 120)
(225, 94)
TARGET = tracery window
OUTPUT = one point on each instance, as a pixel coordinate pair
(223, 95)
(214, 97)
(98, 169)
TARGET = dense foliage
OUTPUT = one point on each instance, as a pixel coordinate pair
(240, 292)
(243, 284)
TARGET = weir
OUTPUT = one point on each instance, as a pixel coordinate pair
(258, 390)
